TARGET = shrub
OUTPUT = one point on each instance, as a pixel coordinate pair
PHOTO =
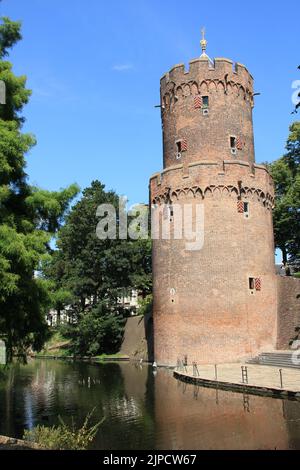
(145, 305)
(64, 437)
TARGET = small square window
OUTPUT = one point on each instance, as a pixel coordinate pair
(205, 101)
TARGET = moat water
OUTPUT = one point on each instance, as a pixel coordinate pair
(143, 409)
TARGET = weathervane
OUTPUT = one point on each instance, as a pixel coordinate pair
(203, 42)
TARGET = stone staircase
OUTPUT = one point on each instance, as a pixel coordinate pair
(277, 359)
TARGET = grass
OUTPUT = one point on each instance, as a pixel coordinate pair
(57, 345)
(102, 357)
(54, 352)
(297, 275)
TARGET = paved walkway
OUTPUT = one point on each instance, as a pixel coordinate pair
(230, 375)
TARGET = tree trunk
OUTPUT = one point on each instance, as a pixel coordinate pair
(284, 254)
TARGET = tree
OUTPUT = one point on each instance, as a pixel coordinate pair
(97, 332)
(29, 217)
(97, 272)
(286, 175)
(92, 269)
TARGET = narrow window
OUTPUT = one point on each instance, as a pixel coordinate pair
(205, 101)
(171, 213)
(251, 283)
(246, 209)
(181, 146)
(232, 142)
(178, 147)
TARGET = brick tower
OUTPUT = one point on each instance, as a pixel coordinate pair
(219, 303)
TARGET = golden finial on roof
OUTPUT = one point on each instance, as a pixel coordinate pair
(203, 42)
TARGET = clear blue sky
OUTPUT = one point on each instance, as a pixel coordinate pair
(94, 67)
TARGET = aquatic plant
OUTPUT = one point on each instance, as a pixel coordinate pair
(63, 436)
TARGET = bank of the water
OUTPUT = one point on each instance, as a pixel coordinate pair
(103, 357)
(9, 443)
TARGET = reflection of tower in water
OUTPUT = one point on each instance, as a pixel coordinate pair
(209, 418)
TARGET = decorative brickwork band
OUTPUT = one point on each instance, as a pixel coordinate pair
(184, 145)
(257, 283)
(198, 102)
(240, 207)
(239, 143)
(162, 197)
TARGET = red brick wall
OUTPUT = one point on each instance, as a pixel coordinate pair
(213, 316)
(288, 310)
(230, 93)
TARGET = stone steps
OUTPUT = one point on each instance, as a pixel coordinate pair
(276, 359)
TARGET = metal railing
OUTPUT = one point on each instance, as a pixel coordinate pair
(181, 365)
(244, 374)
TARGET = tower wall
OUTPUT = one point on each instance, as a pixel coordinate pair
(204, 307)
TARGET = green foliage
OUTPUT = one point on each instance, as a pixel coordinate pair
(89, 274)
(286, 175)
(97, 332)
(9, 35)
(90, 268)
(29, 217)
(145, 305)
(63, 437)
(56, 345)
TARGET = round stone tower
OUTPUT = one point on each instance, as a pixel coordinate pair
(216, 303)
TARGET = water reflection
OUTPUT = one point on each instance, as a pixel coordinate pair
(144, 410)
(203, 418)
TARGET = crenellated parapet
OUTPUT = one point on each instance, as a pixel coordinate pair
(207, 112)
(205, 76)
(232, 179)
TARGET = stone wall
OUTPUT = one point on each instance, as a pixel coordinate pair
(138, 338)
(288, 311)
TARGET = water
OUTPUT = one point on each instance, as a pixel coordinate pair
(143, 410)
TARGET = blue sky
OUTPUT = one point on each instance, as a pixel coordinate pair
(94, 68)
